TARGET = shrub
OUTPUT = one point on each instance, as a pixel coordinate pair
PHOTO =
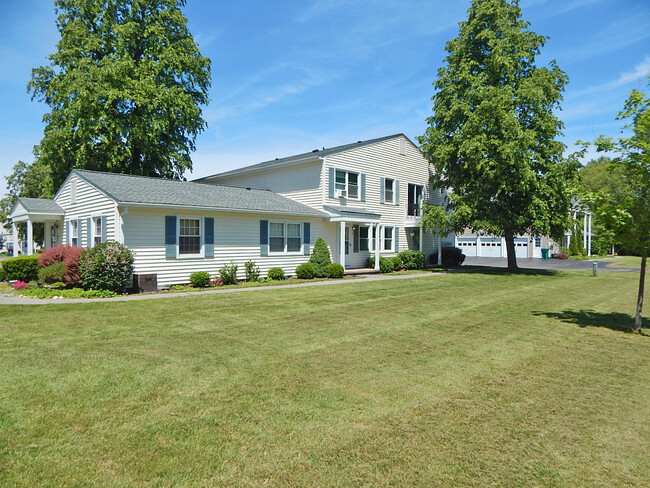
(52, 273)
(275, 274)
(20, 285)
(412, 259)
(107, 266)
(320, 258)
(305, 271)
(68, 255)
(200, 279)
(252, 271)
(452, 257)
(386, 265)
(335, 270)
(228, 274)
(397, 263)
(562, 255)
(23, 268)
(370, 263)
(3, 274)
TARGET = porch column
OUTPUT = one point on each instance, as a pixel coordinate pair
(48, 234)
(377, 245)
(421, 240)
(14, 233)
(478, 246)
(590, 236)
(29, 237)
(584, 231)
(342, 245)
(439, 251)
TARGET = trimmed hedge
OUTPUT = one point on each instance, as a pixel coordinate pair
(397, 263)
(23, 268)
(412, 259)
(200, 279)
(386, 265)
(452, 257)
(320, 258)
(305, 271)
(107, 266)
(3, 274)
(275, 274)
(52, 274)
(335, 270)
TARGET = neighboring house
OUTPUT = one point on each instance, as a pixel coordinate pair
(488, 246)
(365, 199)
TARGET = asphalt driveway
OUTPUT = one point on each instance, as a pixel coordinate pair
(536, 263)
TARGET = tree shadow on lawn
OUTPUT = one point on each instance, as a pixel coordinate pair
(503, 271)
(589, 318)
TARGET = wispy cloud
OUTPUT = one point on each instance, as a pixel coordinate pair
(640, 72)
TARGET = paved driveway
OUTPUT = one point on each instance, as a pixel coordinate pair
(536, 263)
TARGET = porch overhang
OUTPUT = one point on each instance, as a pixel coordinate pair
(352, 214)
(31, 211)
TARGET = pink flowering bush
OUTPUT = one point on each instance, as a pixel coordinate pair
(20, 285)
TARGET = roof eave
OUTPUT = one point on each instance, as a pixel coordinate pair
(124, 204)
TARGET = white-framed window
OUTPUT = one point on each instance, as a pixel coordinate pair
(388, 238)
(415, 199)
(363, 239)
(538, 242)
(97, 230)
(74, 232)
(389, 190)
(285, 237)
(348, 182)
(189, 236)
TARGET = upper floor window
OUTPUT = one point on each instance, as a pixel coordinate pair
(389, 190)
(415, 199)
(189, 236)
(97, 230)
(347, 184)
(285, 237)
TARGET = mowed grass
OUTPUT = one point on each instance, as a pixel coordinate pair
(626, 261)
(477, 379)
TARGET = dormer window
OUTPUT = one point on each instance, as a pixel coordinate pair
(347, 184)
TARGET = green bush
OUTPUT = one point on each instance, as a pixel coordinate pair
(412, 259)
(70, 293)
(305, 271)
(252, 271)
(3, 274)
(386, 265)
(452, 257)
(370, 263)
(52, 274)
(320, 258)
(68, 255)
(397, 263)
(275, 274)
(200, 279)
(228, 274)
(107, 266)
(335, 270)
(23, 268)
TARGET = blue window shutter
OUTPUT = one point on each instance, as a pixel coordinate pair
(355, 238)
(396, 238)
(209, 237)
(382, 190)
(396, 192)
(68, 233)
(332, 182)
(363, 187)
(89, 240)
(170, 236)
(306, 231)
(104, 233)
(80, 242)
(264, 237)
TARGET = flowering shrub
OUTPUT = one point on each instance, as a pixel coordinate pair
(107, 266)
(70, 256)
(20, 285)
(216, 282)
(562, 255)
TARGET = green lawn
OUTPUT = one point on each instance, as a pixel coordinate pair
(474, 379)
(626, 261)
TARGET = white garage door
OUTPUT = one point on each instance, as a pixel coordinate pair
(521, 247)
(490, 247)
(468, 246)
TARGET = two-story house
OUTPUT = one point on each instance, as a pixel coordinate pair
(365, 199)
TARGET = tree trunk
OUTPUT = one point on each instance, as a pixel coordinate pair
(512, 257)
(638, 320)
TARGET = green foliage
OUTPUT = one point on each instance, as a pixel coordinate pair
(275, 274)
(68, 255)
(386, 265)
(305, 271)
(452, 257)
(200, 279)
(412, 259)
(335, 270)
(124, 88)
(577, 239)
(370, 262)
(320, 258)
(492, 137)
(3, 274)
(228, 274)
(23, 268)
(37, 292)
(52, 273)
(107, 266)
(397, 263)
(252, 271)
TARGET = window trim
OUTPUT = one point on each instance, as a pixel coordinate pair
(201, 253)
(93, 229)
(74, 222)
(285, 251)
(366, 239)
(422, 201)
(392, 239)
(392, 191)
(347, 183)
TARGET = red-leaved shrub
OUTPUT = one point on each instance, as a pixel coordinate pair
(68, 255)
(562, 255)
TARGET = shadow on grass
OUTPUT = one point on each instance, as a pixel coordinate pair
(589, 318)
(503, 271)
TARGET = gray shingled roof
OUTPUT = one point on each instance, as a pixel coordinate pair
(317, 153)
(140, 189)
(351, 211)
(40, 205)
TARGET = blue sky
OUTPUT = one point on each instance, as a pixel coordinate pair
(289, 77)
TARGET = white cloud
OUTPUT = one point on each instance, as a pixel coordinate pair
(640, 72)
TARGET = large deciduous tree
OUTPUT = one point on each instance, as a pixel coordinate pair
(629, 214)
(492, 136)
(125, 88)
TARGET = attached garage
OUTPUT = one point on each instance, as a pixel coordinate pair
(467, 246)
(521, 247)
(490, 247)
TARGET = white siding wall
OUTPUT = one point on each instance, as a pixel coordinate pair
(300, 182)
(237, 237)
(89, 202)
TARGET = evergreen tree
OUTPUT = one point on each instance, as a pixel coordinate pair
(492, 136)
(320, 258)
(125, 89)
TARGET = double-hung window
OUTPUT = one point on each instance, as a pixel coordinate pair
(189, 236)
(388, 238)
(74, 232)
(389, 192)
(97, 230)
(415, 198)
(348, 182)
(363, 239)
(285, 237)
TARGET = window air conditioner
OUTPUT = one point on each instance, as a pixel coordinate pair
(340, 193)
